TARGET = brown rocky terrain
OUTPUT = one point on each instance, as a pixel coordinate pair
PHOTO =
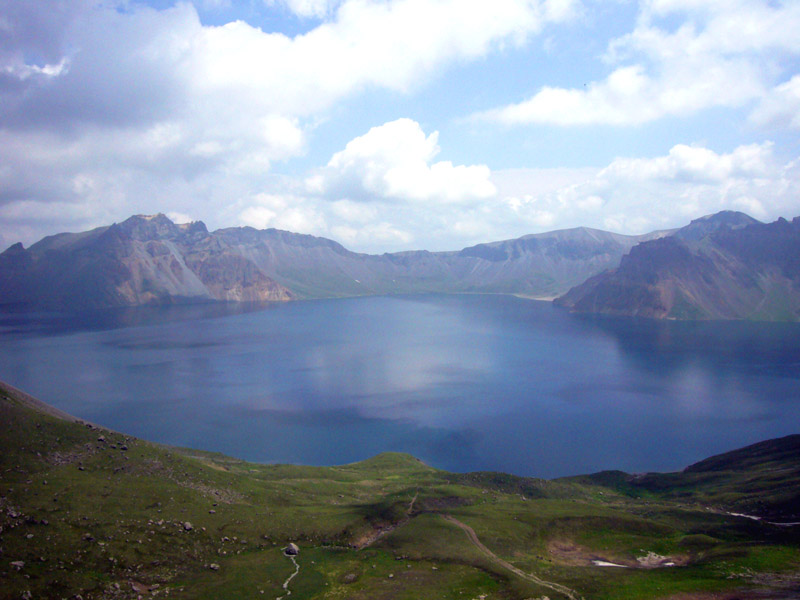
(724, 266)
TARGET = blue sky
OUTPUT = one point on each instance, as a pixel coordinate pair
(397, 124)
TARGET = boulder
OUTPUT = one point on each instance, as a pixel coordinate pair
(291, 549)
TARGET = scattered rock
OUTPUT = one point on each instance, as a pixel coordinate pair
(18, 564)
(188, 526)
(291, 549)
(139, 588)
(26, 595)
(212, 512)
(653, 561)
(214, 567)
(101, 438)
(350, 578)
(88, 537)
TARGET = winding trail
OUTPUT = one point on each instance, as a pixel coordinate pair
(473, 537)
(292, 576)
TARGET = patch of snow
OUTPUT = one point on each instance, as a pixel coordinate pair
(603, 563)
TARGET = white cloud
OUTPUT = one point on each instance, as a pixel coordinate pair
(374, 235)
(781, 107)
(156, 111)
(395, 161)
(723, 54)
(695, 164)
(177, 217)
(638, 195)
(283, 212)
(308, 8)
(394, 44)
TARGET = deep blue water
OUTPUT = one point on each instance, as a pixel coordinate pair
(462, 382)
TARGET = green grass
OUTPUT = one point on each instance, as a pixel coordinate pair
(95, 513)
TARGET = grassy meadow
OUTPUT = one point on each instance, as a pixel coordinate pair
(94, 513)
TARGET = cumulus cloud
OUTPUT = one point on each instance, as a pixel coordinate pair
(395, 44)
(628, 195)
(395, 160)
(152, 108)
(637, 195)
(781, 106)
(282, 212)
(721, 54)
(307, 8)
(112, 108)
(695, 164)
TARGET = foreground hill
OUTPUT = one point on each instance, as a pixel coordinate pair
(94, 513)
(724, 266)
(150, 260)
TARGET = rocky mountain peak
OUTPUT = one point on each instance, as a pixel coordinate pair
(704, 226)
(145, 228)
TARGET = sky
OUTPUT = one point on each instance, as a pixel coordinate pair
(393, 125)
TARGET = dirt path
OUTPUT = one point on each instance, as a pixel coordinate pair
(288, 581)
(473, 537)
(411, 505)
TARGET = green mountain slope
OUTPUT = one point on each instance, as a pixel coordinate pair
(94, 513)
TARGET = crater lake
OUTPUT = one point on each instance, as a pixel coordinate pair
(463, 382)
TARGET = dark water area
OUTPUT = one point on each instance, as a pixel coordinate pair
(465, 383)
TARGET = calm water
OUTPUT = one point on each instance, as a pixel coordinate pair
(462, 382)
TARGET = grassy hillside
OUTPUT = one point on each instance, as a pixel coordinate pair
(91, 512)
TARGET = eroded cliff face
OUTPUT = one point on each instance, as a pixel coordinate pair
(144, 260)
(726, 266)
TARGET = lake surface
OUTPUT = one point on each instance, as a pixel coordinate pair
(468, 382)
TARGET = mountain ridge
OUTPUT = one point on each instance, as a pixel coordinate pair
(724, 266)
(148, 259)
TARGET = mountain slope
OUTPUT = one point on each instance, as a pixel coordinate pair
(149, 259)
(144, 260)
(725, 266)
(761, 480)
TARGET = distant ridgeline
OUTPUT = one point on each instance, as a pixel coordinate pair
(724, 266)
(151, 260)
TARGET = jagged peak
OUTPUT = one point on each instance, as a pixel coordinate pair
(17, 248)
(159, 226)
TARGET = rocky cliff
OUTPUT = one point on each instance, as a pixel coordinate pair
(144, 260)
(151, 260)
(724, 266)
